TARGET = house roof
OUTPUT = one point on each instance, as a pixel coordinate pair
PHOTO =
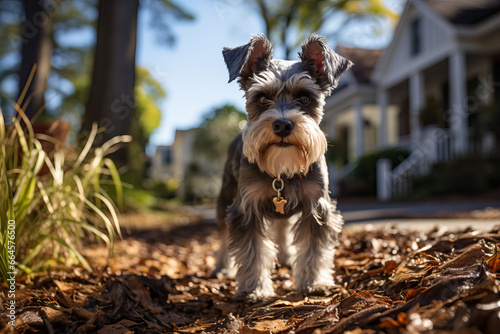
(364, 62)
(465, 12)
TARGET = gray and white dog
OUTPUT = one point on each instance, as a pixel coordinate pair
(275, 186)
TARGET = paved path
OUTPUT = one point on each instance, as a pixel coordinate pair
(355, 213)
(425, 225)
(402, 215)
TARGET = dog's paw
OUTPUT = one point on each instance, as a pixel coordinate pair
(321, 289)
(255, 295)
(221, 273)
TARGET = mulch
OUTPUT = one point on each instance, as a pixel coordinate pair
(387, 281)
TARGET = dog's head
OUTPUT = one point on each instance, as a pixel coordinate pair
(284, 102)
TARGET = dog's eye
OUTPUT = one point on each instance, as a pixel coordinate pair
(304, 99)
(262, 100)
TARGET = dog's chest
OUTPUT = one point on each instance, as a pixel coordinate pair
(298, 192)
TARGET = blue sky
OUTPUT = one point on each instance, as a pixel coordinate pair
(193, 71)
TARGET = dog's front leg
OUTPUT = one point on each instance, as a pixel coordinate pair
(254, 253)
(315, 236)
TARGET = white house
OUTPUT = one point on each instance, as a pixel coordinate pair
(446, 54)
(195, 174)
(351, 113)
(442, 67)
(441, 70)
(172, 161)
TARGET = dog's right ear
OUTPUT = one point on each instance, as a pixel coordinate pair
(243, 61)
(324, 64)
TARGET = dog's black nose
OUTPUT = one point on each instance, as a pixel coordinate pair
(282, 127)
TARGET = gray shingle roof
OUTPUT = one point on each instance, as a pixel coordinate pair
(465, 12)
(364, 62)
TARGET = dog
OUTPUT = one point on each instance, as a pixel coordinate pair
(275, 184)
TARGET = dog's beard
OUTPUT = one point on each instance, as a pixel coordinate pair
(287, 156)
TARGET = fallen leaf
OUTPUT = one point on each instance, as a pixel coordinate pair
(390, 266)
(54, 316)
(65, 286)
(266, 327)
(410, 294)
(114, 329)
(226, 308)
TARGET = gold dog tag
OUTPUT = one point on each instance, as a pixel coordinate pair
(279, 203)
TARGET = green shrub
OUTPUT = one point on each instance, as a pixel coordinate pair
(362, 181)
(53, 213)
(137, 199)
(467, 175)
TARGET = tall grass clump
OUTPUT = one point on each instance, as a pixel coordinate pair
(55, 212)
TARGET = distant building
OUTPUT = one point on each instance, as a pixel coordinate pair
(171, 162)
(441, 70)
(196, 175)
(351, 113)
(161, 164)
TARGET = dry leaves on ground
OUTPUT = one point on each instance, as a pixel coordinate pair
(388, 281)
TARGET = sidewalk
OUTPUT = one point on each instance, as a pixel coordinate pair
(356, 213)
(422, 216)
(424, 225)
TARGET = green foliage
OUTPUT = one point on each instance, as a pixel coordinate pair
(432, 114)
(148, 92)
(210, 142)
(57, 209)
(467, 175)
(139, 199)
(337, 151)
(165, 11)
(488, 120)
(165, 190)
(218, 129)
(363, 7)
(10, 29)
(364, 175)
(71, 61)
(286, 18)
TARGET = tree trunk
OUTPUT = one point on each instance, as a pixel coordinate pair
(111, 102)
(36, 49)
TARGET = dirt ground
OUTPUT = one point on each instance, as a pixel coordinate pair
(158, 281)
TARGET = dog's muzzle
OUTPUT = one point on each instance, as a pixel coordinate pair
(282, 127)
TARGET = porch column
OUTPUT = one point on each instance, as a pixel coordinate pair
(417, 102)
(382, 104)
(359, 127)
(457, 115)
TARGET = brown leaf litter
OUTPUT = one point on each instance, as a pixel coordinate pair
(388, 281)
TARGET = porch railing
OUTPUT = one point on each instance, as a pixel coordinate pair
(436, 145)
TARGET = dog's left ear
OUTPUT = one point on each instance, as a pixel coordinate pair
(325, 65)
(243, 61)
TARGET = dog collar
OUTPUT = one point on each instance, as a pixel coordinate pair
(278, 201)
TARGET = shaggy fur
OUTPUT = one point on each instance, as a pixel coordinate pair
(282, 139)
